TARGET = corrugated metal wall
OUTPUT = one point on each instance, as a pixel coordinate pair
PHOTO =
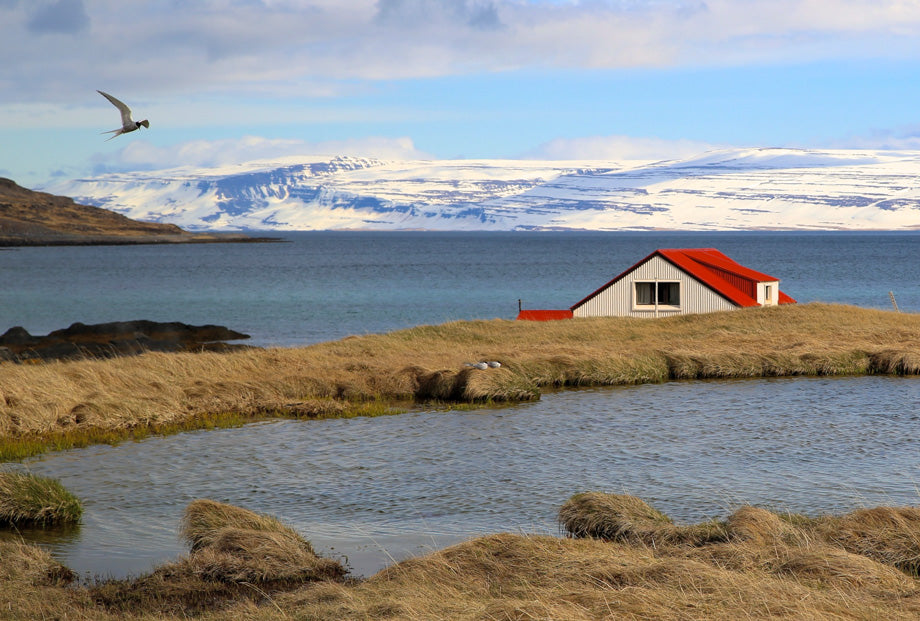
(617, 300)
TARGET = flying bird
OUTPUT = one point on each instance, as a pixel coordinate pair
(127, 123)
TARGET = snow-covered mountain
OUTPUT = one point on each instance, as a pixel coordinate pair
(731, 190)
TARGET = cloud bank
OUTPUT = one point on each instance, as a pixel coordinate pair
(142, 155)
(619, 148)
(296, 47)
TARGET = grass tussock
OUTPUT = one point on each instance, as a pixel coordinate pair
(624, 518)
(627, 561)
(79, 402)
(235, 554)
(28, 499)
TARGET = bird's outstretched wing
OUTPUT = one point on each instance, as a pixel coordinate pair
(125, 110)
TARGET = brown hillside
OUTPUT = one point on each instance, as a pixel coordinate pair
(30, 218)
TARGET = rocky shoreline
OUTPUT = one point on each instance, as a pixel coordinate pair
(120, 338)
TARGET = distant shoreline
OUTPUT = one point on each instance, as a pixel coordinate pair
(138, 240)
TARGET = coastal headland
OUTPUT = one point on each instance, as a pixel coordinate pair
(621, 558)
(30, 218)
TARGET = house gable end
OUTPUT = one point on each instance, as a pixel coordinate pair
(728, 283)
(619, 296)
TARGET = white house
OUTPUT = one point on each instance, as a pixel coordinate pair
(675, 281)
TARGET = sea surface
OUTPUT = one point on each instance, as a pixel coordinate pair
(372, 490)
(320, 286)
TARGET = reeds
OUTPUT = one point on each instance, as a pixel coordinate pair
(28, 499)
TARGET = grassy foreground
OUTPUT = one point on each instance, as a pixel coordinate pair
(622, 560)
(65, 404)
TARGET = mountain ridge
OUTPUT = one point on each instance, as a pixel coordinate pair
(733, 189)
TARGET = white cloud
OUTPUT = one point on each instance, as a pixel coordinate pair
(142, 155)
(619, 148)
(900, 139)
(156, 48)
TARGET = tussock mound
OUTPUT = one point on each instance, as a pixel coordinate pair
(624, 518)
(231, 544)
(889, 535)
(828, 565)
(756, 525)
(31, 499)
(235, 554)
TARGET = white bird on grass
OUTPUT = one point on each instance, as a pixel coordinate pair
(127, 123)
(482, 366)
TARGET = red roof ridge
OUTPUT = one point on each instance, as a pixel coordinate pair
(718, 260)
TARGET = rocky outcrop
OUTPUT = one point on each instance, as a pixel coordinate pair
(120, 338)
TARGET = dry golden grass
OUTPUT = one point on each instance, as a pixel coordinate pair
(627, 562)
(235, 554)
(764, 566)
(73, 403)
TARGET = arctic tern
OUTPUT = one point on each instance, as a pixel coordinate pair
(127, 124)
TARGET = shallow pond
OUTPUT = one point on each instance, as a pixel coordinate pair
(373, 490)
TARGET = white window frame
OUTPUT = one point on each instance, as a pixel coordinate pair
(655, 306)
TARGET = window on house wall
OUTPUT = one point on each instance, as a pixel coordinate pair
(664, 293)
(768, 294)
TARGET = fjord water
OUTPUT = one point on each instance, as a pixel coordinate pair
(322, 286)
(377, 489)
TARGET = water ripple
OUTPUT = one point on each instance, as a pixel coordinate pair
(373, 489)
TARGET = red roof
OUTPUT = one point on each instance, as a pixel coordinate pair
(544, 315)
(730, 279)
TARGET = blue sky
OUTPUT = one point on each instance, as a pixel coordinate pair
(225, 81)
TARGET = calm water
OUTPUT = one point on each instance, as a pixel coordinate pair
(323, 286)
(374, 489)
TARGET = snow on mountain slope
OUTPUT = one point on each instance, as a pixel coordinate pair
(723, 190)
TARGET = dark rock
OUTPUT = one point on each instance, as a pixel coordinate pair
(16, 336)
(120, 338)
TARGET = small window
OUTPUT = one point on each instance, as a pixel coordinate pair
(660, 293)
(669, 293)
(768, 294)
(645, 293)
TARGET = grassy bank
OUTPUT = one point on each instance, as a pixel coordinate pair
(32, 500)
(622, 560)
(57, 405)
